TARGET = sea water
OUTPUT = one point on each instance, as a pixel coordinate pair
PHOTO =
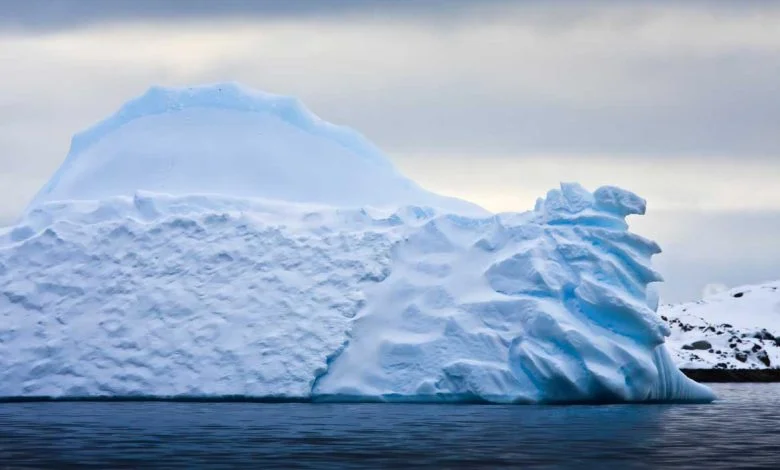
(740, 430)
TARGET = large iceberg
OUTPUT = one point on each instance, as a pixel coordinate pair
(217, 241)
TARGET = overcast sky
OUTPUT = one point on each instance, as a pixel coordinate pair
(492, 101)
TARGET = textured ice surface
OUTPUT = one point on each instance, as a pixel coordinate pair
(187, 294)
(735, 329)
(165, 296)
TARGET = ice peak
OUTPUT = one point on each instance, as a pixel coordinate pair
(228, 96)
(230, 140)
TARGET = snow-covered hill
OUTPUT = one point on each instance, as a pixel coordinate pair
(312, 269)
(735, 329)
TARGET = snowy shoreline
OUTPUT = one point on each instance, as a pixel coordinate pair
(734, 330)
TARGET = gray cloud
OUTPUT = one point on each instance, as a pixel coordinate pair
(48, 15)
(53, 15)
(657, 80)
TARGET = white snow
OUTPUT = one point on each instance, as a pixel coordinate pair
(737, 328)
(203, 242)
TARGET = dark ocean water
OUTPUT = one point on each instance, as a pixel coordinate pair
(742, 430)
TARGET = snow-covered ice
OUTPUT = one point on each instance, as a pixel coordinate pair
(738, 328)
(217, 241)
(229, 140)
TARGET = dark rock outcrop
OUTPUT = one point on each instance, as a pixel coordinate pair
(733, 375)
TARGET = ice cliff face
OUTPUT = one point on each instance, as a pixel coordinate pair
(126, 292)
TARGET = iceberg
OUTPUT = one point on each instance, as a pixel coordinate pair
(215, 241)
